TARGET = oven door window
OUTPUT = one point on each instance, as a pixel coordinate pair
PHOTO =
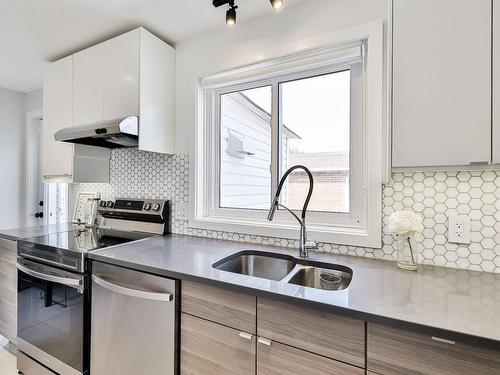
(51, 314)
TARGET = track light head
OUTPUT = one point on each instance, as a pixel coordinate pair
(231, 15)
(277, 4)
(231, 12)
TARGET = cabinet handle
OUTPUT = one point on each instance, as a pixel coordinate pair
(264, 341)
(439, 339)
(246, 336)
(472, 163)
(56, 175)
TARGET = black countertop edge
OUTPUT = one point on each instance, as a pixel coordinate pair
(370, 318)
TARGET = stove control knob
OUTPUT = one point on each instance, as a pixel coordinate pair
(147, 206)
(110, 204)
(102, 203)
(156, 207)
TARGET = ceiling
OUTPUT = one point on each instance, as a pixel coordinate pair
(34, 32)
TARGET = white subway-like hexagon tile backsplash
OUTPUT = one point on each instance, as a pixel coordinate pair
(434, 195)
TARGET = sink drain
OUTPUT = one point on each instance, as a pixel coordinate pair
(329, 281)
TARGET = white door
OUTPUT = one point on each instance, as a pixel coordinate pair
(35, 203)
(46, 203)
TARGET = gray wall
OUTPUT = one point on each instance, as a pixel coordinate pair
(12, 118)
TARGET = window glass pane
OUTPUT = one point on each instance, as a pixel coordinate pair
(315, 132)
(245, 149)
(57, 203)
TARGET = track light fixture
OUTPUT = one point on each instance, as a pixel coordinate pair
(231, 12)
(276, 4)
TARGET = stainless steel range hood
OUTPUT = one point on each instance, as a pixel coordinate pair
(110, 134)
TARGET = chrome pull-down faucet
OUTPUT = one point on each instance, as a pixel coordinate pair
(304, 245)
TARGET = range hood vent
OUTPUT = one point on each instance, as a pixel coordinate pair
(109, 134)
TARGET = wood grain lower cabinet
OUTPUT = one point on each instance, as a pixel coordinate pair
(280, 359)
(313, 330)
(208, 348)
(8, 289)
(393, 351)
(222, 306)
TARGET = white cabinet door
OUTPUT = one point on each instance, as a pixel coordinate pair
(57, 157)
(157, 95)
(496, 81)
(121, 76)
(442, 82)
(88, 73)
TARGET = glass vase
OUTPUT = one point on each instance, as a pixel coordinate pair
(406, 254)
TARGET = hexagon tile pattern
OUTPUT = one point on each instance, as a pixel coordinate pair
(435, 195)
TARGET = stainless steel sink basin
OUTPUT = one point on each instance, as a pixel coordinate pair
(337, 278)
(258, 264)
(287, 269)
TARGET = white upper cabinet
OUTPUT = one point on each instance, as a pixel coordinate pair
(441, 83)
(132, 74)
(121, 75)
(65, 162)
(496, 82)
(156, 94)
(57, 113)
(88, 73)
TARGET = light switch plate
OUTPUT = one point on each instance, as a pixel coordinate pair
(459, 229)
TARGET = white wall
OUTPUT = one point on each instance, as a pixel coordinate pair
(12, 119)
(293, 28)
(33, 100)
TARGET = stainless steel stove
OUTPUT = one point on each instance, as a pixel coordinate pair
(54, 279)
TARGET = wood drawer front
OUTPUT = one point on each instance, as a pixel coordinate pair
(218, 305)
(280, 359)
(8, 289)
(209, 348)
(398, 352)
(316, 331)
(8, 251)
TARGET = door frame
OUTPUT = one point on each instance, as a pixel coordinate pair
(32, 119)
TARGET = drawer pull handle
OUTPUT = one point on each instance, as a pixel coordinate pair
(246, 336)
(264, 341)
(439, 339)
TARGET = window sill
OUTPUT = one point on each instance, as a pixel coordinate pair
(350, 236)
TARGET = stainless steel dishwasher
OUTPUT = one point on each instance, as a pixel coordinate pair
(133, 322)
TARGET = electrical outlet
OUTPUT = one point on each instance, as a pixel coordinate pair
(459, 229)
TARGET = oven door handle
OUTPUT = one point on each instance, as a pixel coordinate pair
(68, 281)
(165, 297)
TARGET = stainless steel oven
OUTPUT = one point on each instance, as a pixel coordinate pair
(54, 284)
(52, 315)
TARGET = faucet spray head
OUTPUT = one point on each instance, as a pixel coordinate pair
(272, 210)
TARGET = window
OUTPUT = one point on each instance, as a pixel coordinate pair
(315, 132)
(56, 198)
(320, 108)
(245, 152)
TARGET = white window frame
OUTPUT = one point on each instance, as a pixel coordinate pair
(365, 228)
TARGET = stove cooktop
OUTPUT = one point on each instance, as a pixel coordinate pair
(87, 239)
(68, 249)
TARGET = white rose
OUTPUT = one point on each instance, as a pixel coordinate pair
(405, 223)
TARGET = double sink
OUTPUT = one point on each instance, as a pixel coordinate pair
(287, 269)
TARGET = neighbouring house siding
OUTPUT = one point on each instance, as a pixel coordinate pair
(245, 181)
